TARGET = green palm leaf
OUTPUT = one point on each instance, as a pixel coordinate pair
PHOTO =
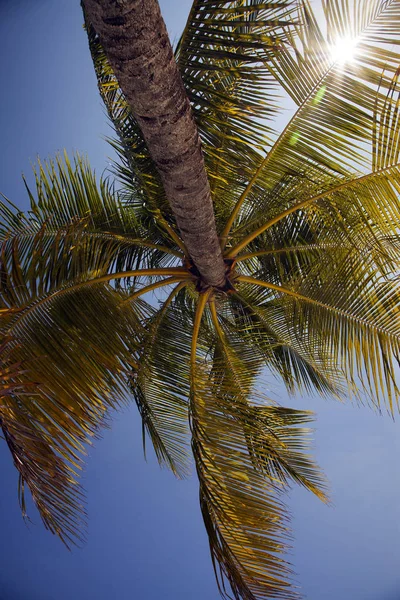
(276, 342)
(311, 247)
(245, 455)
(221, 57)
(358, 329)
(52, 480)
(57, 297)
(332, 132)
(160, 383)
(234, 374)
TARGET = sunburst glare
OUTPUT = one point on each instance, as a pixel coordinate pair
(344, 50)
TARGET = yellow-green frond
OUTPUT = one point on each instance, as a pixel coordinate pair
(160, 383)
(221, 57)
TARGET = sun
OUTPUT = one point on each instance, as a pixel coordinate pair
(344, 50)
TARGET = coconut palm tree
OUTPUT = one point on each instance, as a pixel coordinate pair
(284, 256)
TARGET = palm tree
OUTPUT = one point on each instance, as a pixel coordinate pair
(307, 226)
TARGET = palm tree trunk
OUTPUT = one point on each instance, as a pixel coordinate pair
(136, 42)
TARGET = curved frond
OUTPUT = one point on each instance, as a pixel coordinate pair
(284, 353)
(221, 57)
(48, 428)
(359, 329)
(67, 324)
(68, 190)
(245, 520)
(332, 136)
(51, 480)
(160, 384)
(245, 455)
(69, 211)
(234, 379)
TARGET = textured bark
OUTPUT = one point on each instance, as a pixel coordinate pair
(136, 42)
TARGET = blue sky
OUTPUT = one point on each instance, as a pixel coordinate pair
(146, 538)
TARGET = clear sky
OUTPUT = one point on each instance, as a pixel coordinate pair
(146, 538)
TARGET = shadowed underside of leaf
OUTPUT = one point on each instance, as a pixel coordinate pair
(246, 523)
(160, 383)
(246, 453)
(77, 339)
(51, 480)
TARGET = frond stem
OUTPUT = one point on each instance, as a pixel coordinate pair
(173, 271)
(203, 299)
(251, 236)
(300, 248)
(225, 233)
(154, 286)
(214, 318)
(338, 311)
(171, 232)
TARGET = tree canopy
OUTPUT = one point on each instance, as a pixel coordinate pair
(307, 222)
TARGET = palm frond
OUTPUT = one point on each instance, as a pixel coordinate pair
(355, 320)
(51, 480)
(245, 520)
(160, 384)
(331, 134)
(246, 453)
(69, 201)
(67, 339)
(281, 349)
(221, 57)
(234, 379)
(374, 21)
(281, 448)
(244, 523)
(57, 303)
(385, 141)
(67, 190)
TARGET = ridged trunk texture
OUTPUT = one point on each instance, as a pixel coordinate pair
(136, 42)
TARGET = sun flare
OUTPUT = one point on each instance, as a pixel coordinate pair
(344, 50)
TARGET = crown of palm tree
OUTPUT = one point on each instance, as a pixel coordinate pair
(307, 221)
